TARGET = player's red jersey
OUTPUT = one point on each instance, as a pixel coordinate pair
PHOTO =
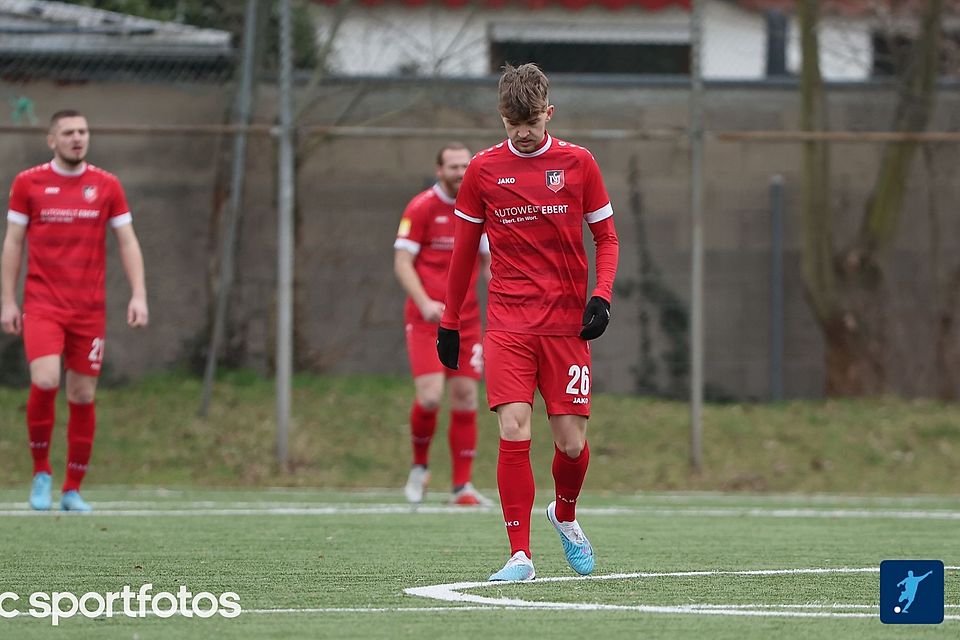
(66, 216)
(532, 207)
(426, 231)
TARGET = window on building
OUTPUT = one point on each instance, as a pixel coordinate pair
(660, 48)
(578, 57)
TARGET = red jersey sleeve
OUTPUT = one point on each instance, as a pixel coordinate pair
(608, 255)
(598, 213)
(119, 211)
(469, 227)
(413, 227)
(18, 210)
(596, 202)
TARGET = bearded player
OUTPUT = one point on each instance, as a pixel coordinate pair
(423, 248)
(62, 208)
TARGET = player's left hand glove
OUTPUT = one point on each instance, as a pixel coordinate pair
(596, 317)
(448, 347)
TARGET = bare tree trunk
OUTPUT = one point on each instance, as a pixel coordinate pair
(846, 291)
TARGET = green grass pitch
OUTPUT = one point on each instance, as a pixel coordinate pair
(312, 564)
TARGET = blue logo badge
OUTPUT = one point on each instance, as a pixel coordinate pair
(911, 592)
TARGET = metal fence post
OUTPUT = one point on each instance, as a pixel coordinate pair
(696, 236)
(285, 183)
(776, 288)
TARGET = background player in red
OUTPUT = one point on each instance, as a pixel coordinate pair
(531, 194)
(63, 208)
(422, 256)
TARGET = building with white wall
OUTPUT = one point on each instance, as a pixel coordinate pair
(473, 38)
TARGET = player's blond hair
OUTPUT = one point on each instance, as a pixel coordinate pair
(523, 92)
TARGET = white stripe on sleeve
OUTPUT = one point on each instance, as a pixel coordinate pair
(407, 245)
(602, 213)
(461, 214)
(18, 218)
(120, 220)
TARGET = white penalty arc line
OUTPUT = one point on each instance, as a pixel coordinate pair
(203, 509)
(453, 592)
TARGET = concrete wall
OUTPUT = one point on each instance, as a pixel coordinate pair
(352, 190)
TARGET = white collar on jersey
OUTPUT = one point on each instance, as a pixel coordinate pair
(66, 172)
(437, 189)
(532, 154)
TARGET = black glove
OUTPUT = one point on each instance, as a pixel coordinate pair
(448, 347)
(596, 317)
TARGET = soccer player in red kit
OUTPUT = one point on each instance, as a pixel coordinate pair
(531, 195)
(63, 207)
(422, 255)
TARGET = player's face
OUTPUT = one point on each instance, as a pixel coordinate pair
(450, 173)
(69, 139)
(527, 136)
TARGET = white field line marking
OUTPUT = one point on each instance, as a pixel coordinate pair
(452, 592)
(374, 609)
(455, 608)
(201, 508)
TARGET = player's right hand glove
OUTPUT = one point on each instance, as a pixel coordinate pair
(596, 317)
(448, 347)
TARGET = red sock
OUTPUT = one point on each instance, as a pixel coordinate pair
(568, 476)
(462, 436)
(422, 425)
(80, 430)
(517, 491)
(41, 408)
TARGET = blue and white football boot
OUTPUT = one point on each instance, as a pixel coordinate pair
(71, 501)
(519, 568)
(575, 544)
(40, 491)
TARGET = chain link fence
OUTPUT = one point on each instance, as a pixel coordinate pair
(365, 145)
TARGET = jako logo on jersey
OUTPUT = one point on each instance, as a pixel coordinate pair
(506, 180)
(555, 180)
(52, 190)
(89, 194)
(581, 400)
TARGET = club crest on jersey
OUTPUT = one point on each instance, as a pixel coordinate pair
(89, 193)
(555, 180)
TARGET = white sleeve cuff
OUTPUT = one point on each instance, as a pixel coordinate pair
(602, 213)
(461, 214)
(407, 245)
(120, 220)
(18, 218)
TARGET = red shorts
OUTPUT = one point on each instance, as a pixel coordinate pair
(518, 363)
(422, 350)
(78, 337)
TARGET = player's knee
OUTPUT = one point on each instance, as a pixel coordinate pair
(80, 396)
(46, 379)
(514, 431)
(572, 447)
(428, 401)
(463, 399)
